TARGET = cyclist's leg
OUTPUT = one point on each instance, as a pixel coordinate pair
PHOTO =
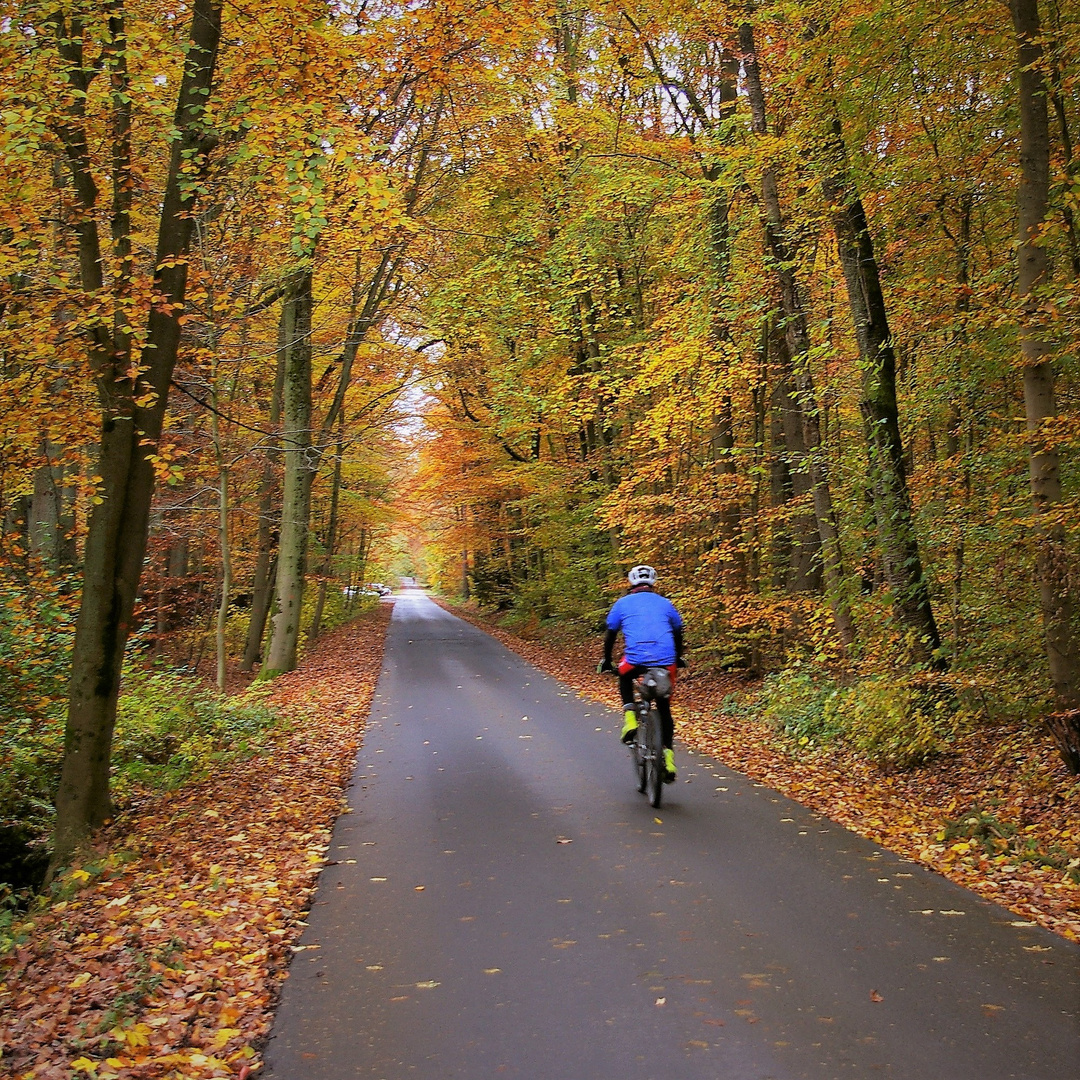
(667, 721)
(667, 732)
(627, 671)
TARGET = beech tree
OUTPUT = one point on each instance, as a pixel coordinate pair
(1037, 353)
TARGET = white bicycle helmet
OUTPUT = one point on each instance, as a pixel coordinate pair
(642, 575)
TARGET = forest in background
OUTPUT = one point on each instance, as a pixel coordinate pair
(740, 295)
(782, 298)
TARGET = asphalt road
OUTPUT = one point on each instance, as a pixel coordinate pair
(503, 903)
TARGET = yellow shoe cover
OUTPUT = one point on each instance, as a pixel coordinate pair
(669, 765)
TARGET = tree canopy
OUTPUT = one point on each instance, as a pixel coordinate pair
(782, 298)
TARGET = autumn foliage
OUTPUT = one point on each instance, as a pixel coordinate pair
(737, 294)
(782, 298)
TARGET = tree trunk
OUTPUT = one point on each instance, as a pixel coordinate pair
(799, 539)
(226, 577)
(897, 539)
(1064, 728)
(1051, 552)
(262, 591)
(798, 338)
(300, 461)
(44, 525)
(220, 651)
(265, 572)
(133, 408)
(363, 548)
(331, 533)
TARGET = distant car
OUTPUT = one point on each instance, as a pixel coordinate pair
(379, 588)
(360, 590)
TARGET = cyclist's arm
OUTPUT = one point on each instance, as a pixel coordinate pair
(609, 645)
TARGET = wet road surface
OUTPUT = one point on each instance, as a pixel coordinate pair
(503, 903)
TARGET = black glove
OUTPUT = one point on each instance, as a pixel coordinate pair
(605, 667)
(680, 662)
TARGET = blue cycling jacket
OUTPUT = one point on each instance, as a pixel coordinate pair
(647, 621)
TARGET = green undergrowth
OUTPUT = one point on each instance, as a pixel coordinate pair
(983, 832)
(170, 729)
(893, 721)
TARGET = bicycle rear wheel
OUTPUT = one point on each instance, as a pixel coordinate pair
(654, 781)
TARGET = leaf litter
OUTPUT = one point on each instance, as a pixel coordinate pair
(166, 957)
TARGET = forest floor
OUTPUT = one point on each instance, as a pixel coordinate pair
(999, 814)
(165, 956)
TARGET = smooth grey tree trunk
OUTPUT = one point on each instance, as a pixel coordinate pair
(226, 577)
(331, 533)
(45, 519)
(265, 570)
(301, 461)
(1036, 350)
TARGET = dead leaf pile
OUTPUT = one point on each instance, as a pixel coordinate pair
(1023, 781)
(168, 957)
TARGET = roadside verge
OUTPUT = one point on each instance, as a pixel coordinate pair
(166, 956)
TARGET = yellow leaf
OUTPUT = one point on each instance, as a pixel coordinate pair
(84, 1064)
(80, 980)
(80, 875)
(135, 1036)
(222, 1036)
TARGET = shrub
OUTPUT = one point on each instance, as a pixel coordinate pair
(37, 628)
(794, 701)
(897, 723)
(894, 722)
(171, 728)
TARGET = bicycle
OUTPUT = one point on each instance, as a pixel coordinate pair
(647, 749)
(647, 746)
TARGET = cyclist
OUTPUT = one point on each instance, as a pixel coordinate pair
(652, 637)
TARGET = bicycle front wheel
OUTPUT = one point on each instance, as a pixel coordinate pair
(639, 754)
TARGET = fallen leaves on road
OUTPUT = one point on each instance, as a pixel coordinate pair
(167, 958)
(905, 812)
